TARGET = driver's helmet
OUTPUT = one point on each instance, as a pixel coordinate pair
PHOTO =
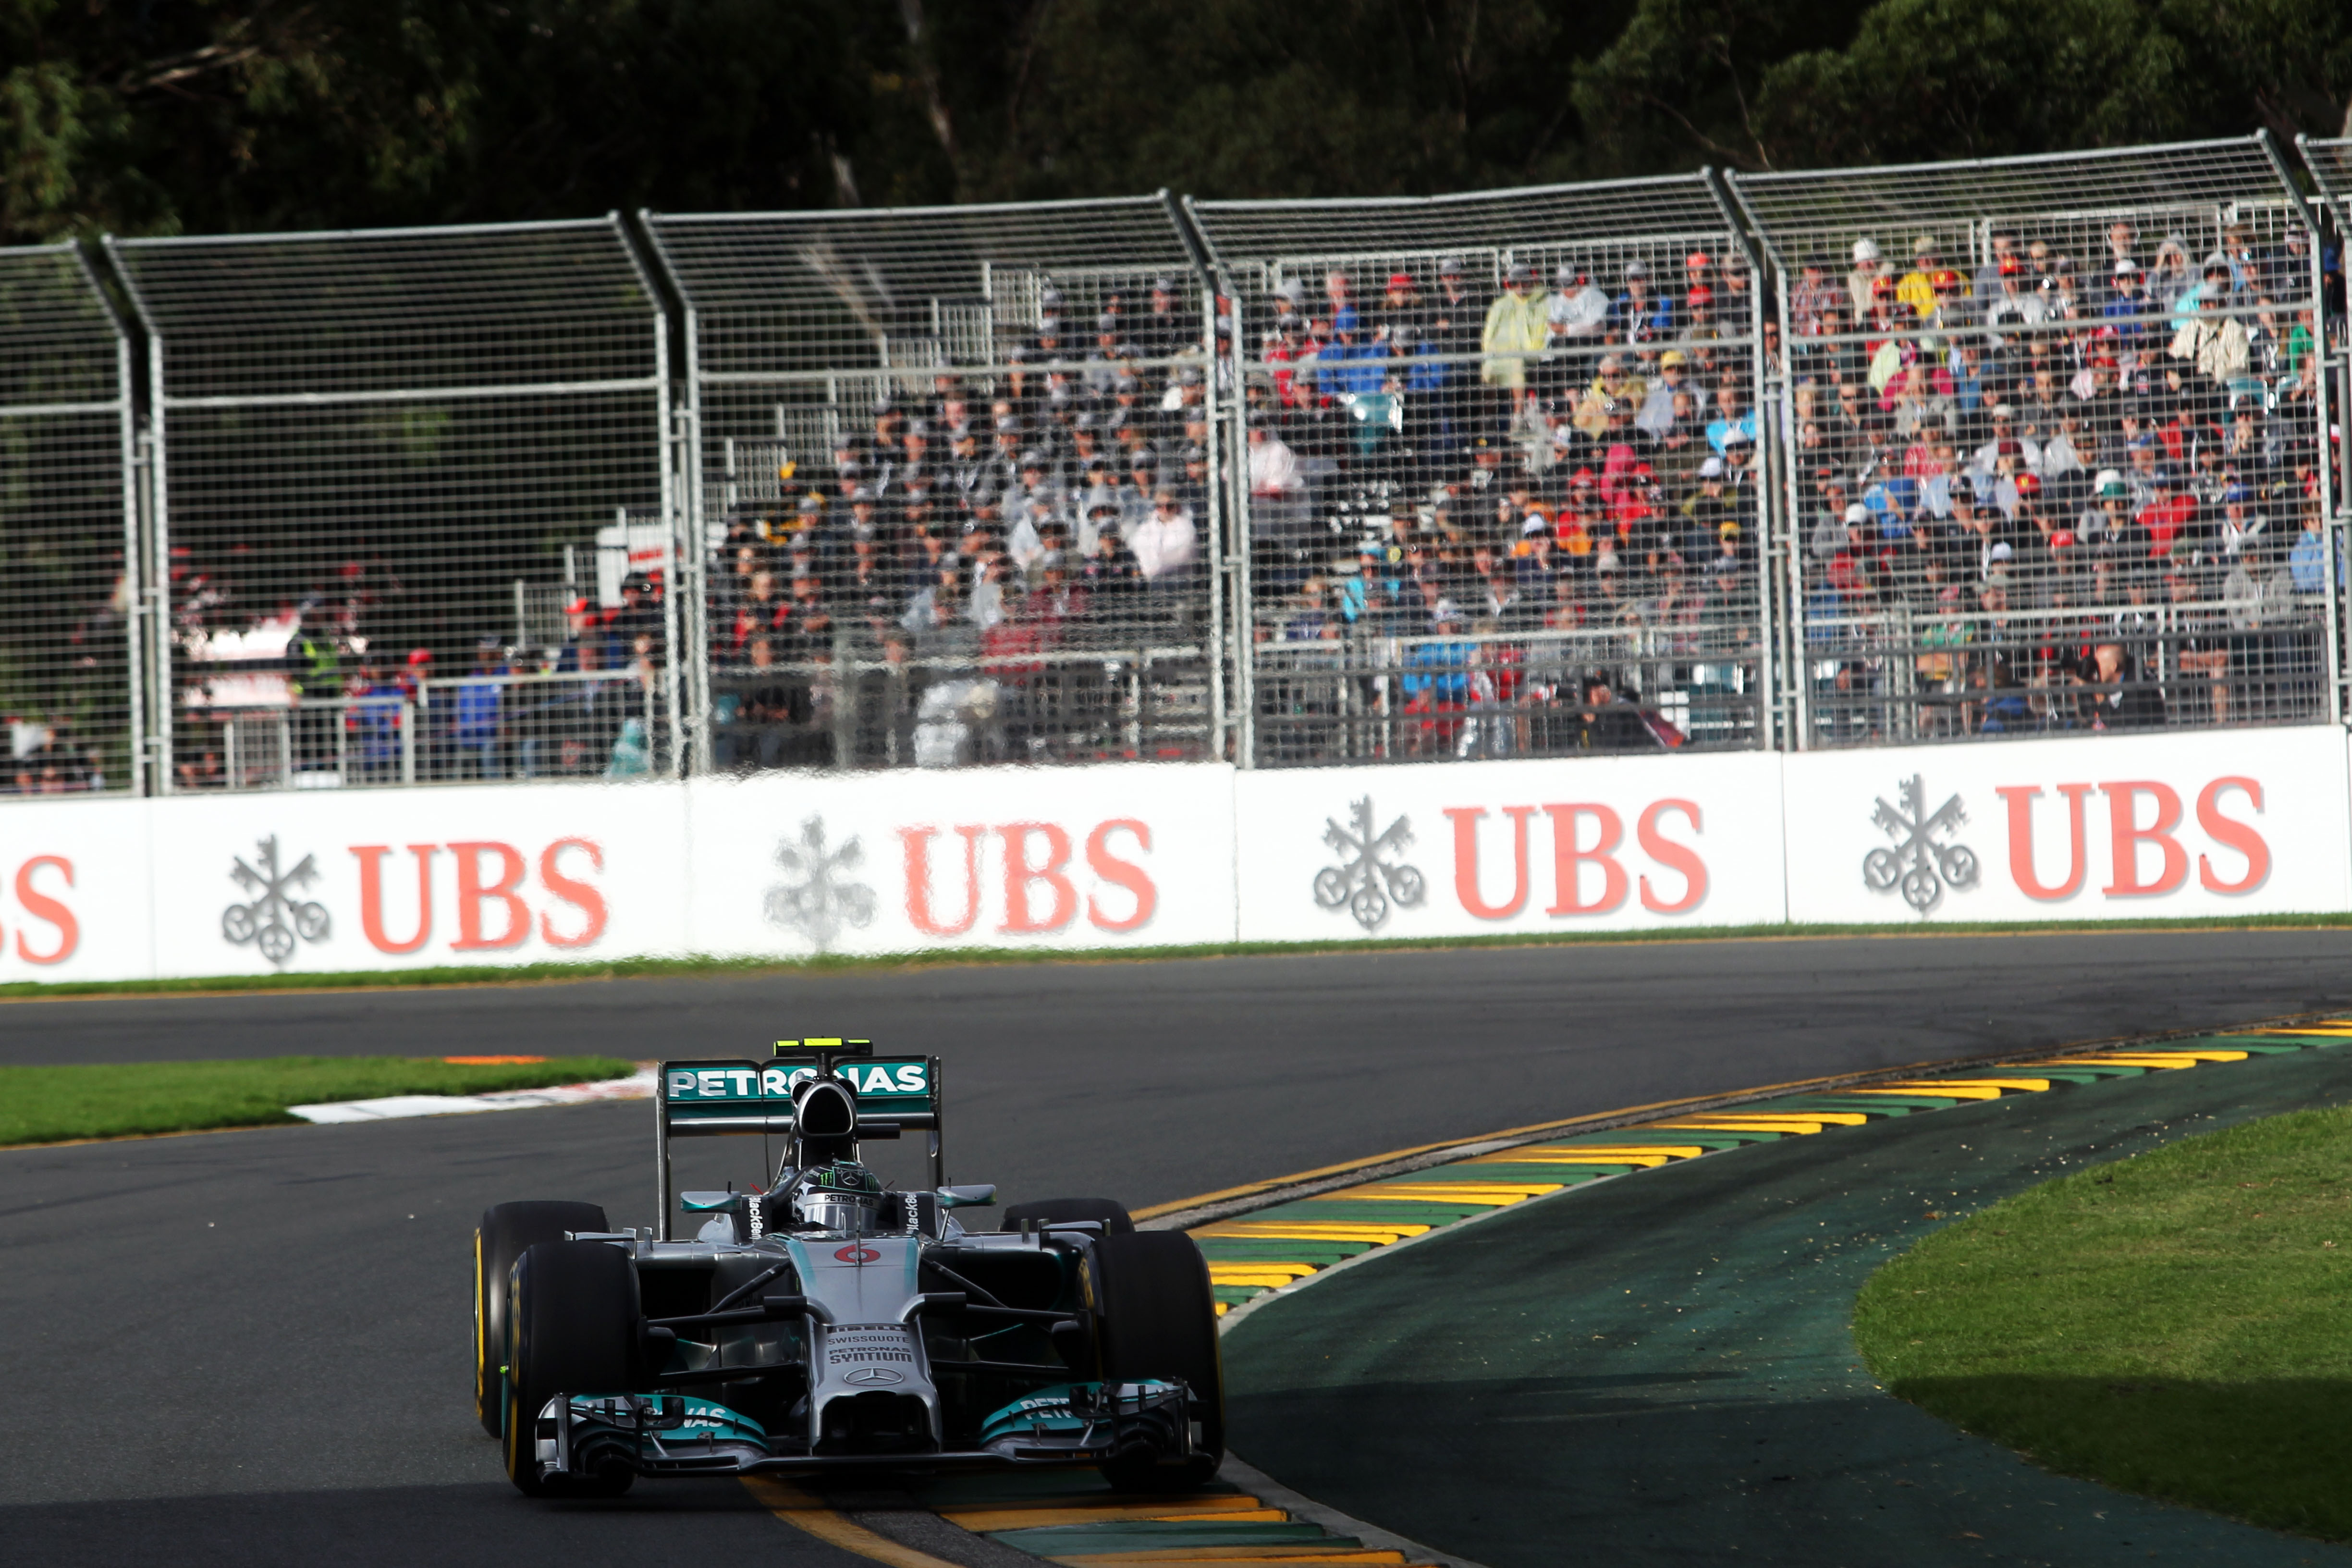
(841, 1196)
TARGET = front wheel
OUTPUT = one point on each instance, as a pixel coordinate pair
(1157, 1318)
(507, 1232)
(572, 1328)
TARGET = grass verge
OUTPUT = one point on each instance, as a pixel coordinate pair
(933, 958)
(2170, 1324)
(54, 1104)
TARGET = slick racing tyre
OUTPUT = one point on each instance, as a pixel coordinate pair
(1149, 1291)
(1059, 1211)
(508, 1232)
(572, 1328)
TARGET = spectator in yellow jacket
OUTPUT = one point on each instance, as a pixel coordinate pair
(1517, 331)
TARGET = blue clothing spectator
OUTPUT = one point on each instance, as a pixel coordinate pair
(1437, 671)
(475, 728)
(1353, 367)
(2308, 562)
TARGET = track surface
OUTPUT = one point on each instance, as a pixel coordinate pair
(1663, 1361)
(239, 1347)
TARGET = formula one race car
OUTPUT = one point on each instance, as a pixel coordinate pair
(830, 1323)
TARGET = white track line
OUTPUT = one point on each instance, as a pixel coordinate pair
(637, 1086)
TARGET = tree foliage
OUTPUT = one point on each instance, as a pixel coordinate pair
(163, 116)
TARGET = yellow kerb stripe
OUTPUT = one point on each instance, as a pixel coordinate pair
(1238, 1508)
(1584, 1153)
(2175, 1061)
(1308, 1230)
(1472, 1194)
(1229, 1272)
(1782, 1124)
(803, 1511)
(1228, 1557)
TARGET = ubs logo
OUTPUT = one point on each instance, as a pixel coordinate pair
(855, 1253)
(873, 1375)
(1916, 863)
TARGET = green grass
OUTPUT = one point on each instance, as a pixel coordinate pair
(2172, 1324)
(51, 1104)
(931, 958)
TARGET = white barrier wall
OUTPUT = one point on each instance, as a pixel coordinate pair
(1084, 857)
(2249, 822)
(2105, 827)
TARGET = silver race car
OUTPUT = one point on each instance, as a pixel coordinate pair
(829, 1322)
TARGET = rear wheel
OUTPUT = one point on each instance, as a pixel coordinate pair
(509, 1231)
(1062, 1211)
(572, 1328)
(1158, 1320)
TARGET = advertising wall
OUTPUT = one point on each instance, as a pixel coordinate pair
(1099, 860)
(1461, 849)
(1092, 857)
(2106, 827)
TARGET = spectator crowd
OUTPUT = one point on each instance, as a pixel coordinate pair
(2071, 483)
(2037, 479)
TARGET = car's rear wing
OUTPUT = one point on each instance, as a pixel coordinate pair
(706, 1098)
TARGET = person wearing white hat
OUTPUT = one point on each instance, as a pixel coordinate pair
(1861, 283)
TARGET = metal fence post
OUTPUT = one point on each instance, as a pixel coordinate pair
(1228, 564)
(134, 575)
(682, 560)
(1770, 407)
(158, 598)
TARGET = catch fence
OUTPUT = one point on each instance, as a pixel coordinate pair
(1498, 484)
(1707, 462)
(386, 457)
(951, 500)
(69, 599)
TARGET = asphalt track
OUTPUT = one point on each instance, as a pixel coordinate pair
(1659, 1369)
(251, 1347)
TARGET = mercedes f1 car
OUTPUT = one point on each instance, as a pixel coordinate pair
(828, 1322)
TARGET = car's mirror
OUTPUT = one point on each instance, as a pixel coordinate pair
(710, 1203)
(976, 1196)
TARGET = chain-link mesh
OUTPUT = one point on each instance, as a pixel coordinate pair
(2053, 444)
(65, 529)
(954, 487)
(409, 505)
(1500, 472)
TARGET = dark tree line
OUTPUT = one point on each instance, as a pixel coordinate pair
(165, 116)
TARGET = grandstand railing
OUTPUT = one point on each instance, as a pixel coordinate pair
(1401, 524)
